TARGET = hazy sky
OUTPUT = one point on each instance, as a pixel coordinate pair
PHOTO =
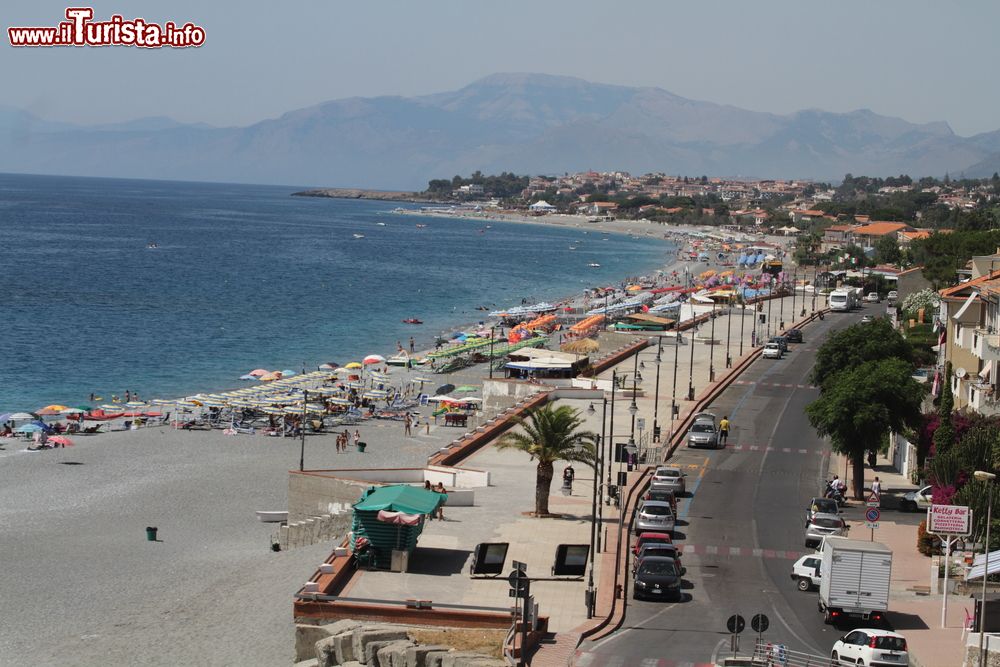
(920, 60)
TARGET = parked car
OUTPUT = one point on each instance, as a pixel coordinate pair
(703, 432)
(873, 297)
(657, 549)
(651, 538)
(771, 351)
(867, 319)
(821, 506)
(893, 295)
(916, 500)
(794, 335)
(868, 646)
(669, 477)
(823, 525)
(806, 573)
(657, 577)
(653, 515)
(781, 341)
(662, 495)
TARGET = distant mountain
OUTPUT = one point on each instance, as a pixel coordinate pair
(526, 123)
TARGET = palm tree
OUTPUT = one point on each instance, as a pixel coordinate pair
(551, 435)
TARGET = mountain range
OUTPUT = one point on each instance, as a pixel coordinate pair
(524, 123)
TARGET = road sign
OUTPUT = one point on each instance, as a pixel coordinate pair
(873, 500)
(873, 526)
(949, 520)
(518, 583)
(760, 623)
(872, 515)
(518, 565)
(736, 624)
(640, 423)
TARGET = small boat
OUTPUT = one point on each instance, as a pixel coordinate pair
(380, 224)
(358, 236)
(572, 247)
(594, 265)
(151, 246)
(421, 226)
(272, 517)
(398, 360)
(412, 320)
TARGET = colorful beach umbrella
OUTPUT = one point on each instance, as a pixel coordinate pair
(372, 359)
(257, 372)
(52, 410)
(28, 428)
(329, 366)
(353, 364)
(270, 377)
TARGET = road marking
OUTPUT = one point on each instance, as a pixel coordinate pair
(785, 385)
(591, 659)
(765, 449)
(739, 552)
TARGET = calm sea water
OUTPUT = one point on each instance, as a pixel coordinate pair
(246, 277)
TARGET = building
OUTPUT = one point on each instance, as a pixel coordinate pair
(911, 281)
(866, 235)
(836, 237)
(968, 322)
(541, 207)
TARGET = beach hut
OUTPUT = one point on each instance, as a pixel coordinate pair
(541, 207)
(391, 518)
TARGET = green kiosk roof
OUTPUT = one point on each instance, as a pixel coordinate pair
(400, 498)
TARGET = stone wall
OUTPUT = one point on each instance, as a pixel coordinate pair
(354, 644)
(312, 495)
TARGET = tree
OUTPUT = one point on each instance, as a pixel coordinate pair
(857, 407)
(887, 250)
(944, 436)
(855, 345)
(551, 435)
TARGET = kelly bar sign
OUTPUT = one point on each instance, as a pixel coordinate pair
(949, 520)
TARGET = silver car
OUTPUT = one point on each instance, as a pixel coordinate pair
(824, 525)
(703, 432)
(669, 477)
(653, 516)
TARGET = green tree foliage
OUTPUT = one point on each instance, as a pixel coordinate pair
(943, 254)
(504, 186)
(975, 494)
(857, 406)
(887, 250)
(944, 436)
(549, 435)
(851, 347)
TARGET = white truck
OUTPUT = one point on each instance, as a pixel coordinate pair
(854, 580)
(840, 300)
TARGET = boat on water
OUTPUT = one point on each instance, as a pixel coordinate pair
(358, 236)
(594, 265)
(572, 247)
(380, 224)
(412, 320)
(151, 246)
(421, 226)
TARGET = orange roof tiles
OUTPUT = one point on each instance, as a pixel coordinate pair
(880, 228)
(955, 289)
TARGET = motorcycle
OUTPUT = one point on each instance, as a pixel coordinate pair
(834, 493)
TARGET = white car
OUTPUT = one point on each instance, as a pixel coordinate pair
(872, 297)
(805, 572)
(893, 295)
(915, 501)
(866, 646)
(771, 351)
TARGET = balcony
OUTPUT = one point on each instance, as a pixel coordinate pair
(986, 345)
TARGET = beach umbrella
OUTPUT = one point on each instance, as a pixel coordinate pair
(372, 359)
(112, 407)
(328, 366)
(272, 411)
(442, 399)
(376, 394)
(445, 389)
(466, 388)
(52, 410)
(137, 404)
(288, 373)
(257, 372)
(470, 399)
(353, 364)
(19, 416)
(421, 380)
(270, 377)
(75, 411)
(28, 428)
(339, 401)
(248, 377)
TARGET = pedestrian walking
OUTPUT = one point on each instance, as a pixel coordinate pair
(408, 425)
(412, 345)
(439, 488)
(724, 430)
(357, 439)
(877, 487)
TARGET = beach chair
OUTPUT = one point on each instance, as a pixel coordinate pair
(124, 426)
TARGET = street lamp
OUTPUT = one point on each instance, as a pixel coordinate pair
(984, 476)
(711, 347)
(673, 395)
(815, 285)
(729, 324)
(611, 444)
(492, 338)
(743, 320)
(691, 367)
(656, 398)
(770, 298)
(302, 427)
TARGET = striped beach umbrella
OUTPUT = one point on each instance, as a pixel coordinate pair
(339, 401)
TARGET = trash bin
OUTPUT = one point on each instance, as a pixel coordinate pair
(151, 533)
(361, 446)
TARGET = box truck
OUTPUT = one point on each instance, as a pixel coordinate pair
(840, 300)
(854, 580)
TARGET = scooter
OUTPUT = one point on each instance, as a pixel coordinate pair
(835, 494)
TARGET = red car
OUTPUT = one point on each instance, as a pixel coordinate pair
(646, 538)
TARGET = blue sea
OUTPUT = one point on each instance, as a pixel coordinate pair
(248, 276)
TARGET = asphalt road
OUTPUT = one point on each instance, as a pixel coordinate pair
(742, 524)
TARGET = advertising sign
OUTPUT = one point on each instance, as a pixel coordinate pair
(949, 520)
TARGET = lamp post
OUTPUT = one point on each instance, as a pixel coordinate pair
(595, 510)
(633, 408)
(611, 443)
(988, 477)
(656, 398)
(492, 338)
(729, 324)
(673, 395)
(691, 368)
(815, 285)
(711, 347)
(770, 298)
(781, 306)
(743, 320)
(599, 472)
(302, 428)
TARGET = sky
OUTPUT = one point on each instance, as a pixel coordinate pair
(919, 60)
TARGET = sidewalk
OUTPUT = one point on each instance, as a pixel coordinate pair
(914, 611)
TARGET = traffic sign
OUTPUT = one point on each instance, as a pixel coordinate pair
(872, 515)
(873, 500)
(518, 583)
(760, 623)
(872, 525)
(736, 624)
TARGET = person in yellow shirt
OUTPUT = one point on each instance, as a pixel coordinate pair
(724, 430)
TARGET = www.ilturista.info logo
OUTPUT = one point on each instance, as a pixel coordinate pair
(80, 30)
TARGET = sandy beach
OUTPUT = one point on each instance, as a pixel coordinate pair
(90, 589)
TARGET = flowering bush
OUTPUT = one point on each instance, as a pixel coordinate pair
(927, 299)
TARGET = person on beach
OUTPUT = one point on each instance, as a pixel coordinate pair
(357, 438)
(128, 396)
(724, 430)
(412, 345)
(408, 425)
(439, 488)
(399, 347)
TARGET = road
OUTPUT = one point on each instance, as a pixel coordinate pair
(741, 525)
